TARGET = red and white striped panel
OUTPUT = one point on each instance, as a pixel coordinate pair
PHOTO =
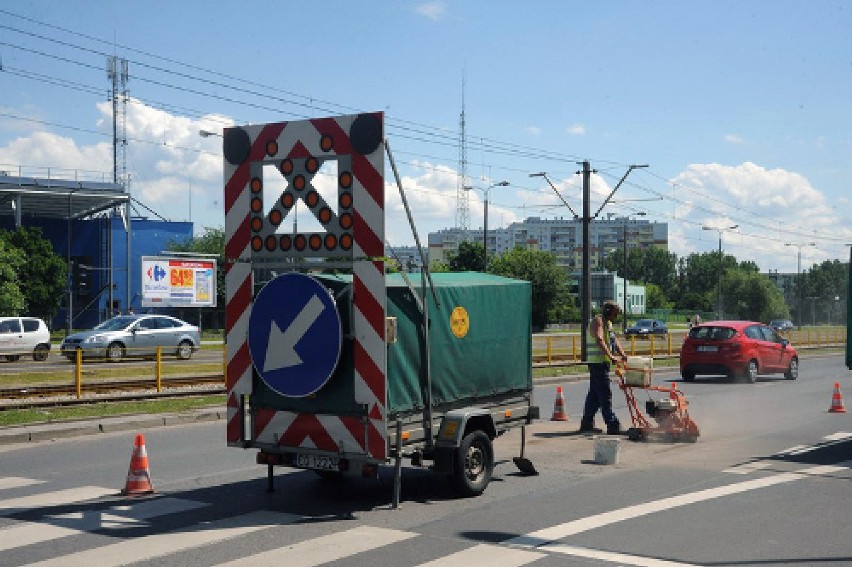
(302, 139)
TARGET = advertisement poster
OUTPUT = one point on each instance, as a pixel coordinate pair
(178, 282)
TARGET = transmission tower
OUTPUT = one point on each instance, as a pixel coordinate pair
(117, 74)
(462, 194)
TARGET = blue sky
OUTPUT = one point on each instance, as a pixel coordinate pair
(742, 110)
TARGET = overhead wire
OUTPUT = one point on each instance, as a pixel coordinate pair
(405, 129)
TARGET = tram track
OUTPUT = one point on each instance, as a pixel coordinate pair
(56, 395)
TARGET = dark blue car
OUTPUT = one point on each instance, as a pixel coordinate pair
(643, 328)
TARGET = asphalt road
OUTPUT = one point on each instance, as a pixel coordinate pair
(767, 483)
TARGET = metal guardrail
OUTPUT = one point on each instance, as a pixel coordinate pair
(559, 349)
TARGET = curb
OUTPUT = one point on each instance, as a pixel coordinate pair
(51, 431)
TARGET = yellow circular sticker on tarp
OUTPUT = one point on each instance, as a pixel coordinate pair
(459, 322)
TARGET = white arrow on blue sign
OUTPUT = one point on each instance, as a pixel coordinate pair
(294, 335)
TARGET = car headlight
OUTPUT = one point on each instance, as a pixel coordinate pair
(93, 339)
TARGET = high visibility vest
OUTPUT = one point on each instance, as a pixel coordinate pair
(594, 353)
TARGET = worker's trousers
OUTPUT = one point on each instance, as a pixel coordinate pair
(599, 397)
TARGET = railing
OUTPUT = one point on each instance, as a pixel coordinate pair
(559, 349)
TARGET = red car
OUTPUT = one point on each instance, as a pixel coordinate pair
(737, 349)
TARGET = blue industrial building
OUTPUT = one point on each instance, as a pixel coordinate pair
(88, 224)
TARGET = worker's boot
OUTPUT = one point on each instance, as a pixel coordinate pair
(589, 427)
(613, 429)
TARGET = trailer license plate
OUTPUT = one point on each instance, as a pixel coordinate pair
(708, 348)
(321, 462)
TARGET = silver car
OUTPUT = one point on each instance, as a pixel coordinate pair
(133, 335)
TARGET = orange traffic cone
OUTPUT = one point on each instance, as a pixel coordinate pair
(138, 475)
(559, 407)
(837, 400)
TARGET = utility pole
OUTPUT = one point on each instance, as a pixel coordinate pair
(586, 286)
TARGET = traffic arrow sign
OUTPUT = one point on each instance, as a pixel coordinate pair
(294, 334)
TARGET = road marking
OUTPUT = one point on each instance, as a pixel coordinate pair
(325, 549)
(620, 558)
(548, 535)
(483, 554)
(117, 517)
(17, 482)
(151, 547)
(57, 498)
(839, 436)
(747, 468)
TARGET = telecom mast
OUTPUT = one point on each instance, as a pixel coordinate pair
(117, 74)
(462, 194)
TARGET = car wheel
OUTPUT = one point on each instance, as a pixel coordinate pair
(792, 370)
(115, 352)
(184, 350)
(13, 357)
(474, 464)
(750, 372)
(40, 353)
(687, 375)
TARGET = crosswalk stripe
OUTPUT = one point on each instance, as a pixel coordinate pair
(117, 517)
(839, 436)
(56, 498)
(159, 545)
(484, 554)
(17, 482)
(325, 549)
(620, 558)
(748, 467)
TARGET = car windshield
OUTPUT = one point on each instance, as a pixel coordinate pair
(116, 323)
(644, 323)
(711, 333)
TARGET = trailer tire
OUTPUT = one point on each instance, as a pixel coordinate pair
(474, 464)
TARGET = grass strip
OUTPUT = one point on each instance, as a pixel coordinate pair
(107, 409)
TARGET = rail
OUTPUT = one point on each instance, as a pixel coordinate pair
(560, 349)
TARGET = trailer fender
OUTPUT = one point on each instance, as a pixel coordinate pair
(455, 425)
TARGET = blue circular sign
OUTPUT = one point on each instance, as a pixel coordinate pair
(294, 335)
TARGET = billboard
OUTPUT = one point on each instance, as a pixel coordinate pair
(178, 282)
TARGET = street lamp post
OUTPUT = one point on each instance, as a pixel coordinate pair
(799, 278)
(719, 293)
(486, 191)
(624, 275)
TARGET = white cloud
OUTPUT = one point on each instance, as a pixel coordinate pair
(534, 130)
(432, 10)
(576, 129)
(733, 139)
(771, 206)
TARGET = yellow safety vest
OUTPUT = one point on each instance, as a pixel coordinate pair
(594, 353)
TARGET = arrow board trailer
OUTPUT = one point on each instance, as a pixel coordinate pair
(335, 372)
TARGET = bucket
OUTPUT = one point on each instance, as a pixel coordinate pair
(638, 371)
(606, 450)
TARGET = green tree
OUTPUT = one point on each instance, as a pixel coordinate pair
(469, 258)
(823, 288)
(12, 301)
(752, 296)
(45, 276)
(655, 298)
(540, 269)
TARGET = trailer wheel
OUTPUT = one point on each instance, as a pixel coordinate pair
(474, 464)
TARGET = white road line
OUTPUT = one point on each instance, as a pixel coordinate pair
(483, 554)
(791, 450)
(555, 533)
(748, 467)
(839, 436)
(117, 517)
(159, 545)
(56, 498)
(620, 558)
(17, 482)
(325, 549)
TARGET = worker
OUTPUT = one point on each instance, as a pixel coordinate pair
(602, 349)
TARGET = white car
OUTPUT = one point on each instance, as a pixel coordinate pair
(24, 336)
